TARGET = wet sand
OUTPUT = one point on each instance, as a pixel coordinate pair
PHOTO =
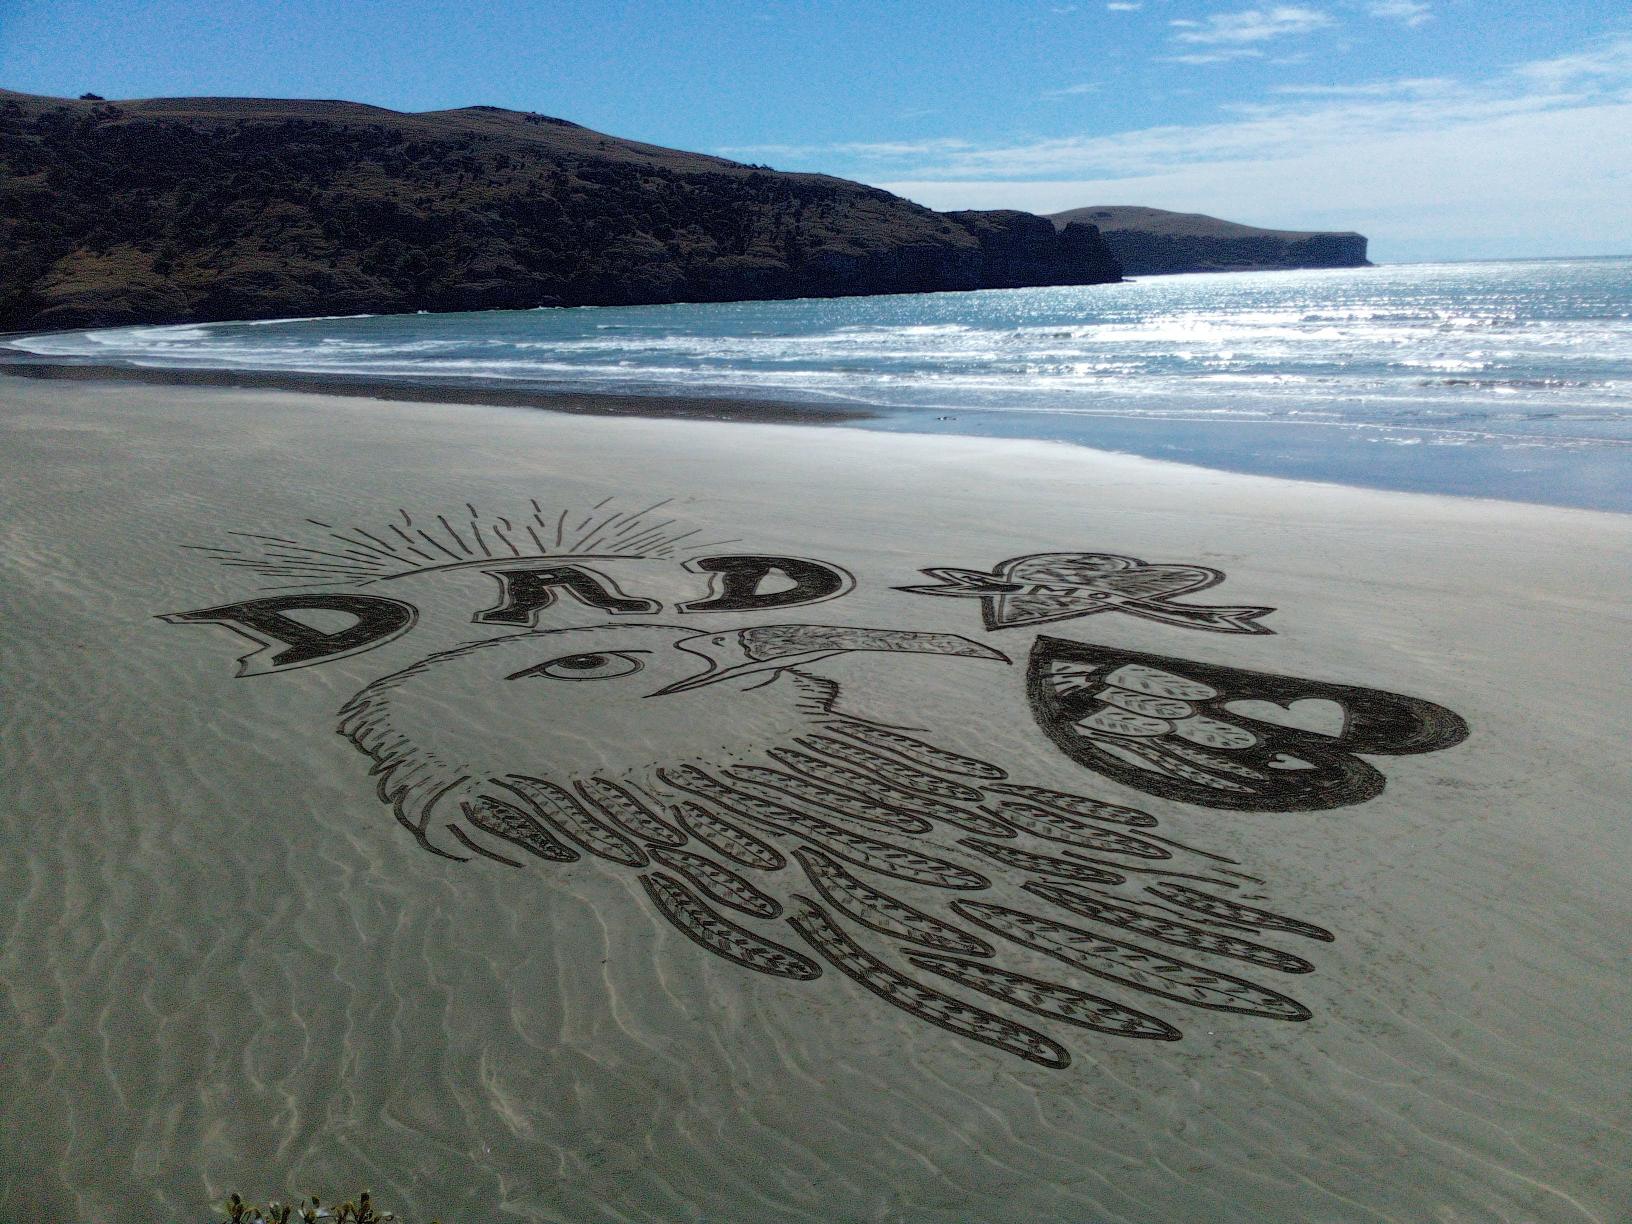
(495, 393)
(224, 965)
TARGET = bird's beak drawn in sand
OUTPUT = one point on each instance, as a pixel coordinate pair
(771, 648)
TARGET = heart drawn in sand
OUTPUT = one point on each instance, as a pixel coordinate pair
(1316, 715)
(1225, 737)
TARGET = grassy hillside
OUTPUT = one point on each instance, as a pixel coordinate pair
(1148, 241)
(181, 209)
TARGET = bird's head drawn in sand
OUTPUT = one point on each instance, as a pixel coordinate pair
(784, 834)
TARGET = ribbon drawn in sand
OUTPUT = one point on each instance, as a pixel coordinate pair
(1044, 587)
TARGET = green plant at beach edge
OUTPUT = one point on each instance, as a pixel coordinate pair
(308, 1211)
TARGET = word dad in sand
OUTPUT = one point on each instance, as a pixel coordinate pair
(739, 583)
(778, 826)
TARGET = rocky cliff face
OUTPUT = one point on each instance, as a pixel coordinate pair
(187, 209)
(1018, 249)
(1149, 241)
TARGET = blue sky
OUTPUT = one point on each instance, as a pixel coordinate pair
(1441, 128)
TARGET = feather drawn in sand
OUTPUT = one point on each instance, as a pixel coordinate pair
(789, 837)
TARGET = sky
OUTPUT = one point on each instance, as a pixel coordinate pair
(1441, 129)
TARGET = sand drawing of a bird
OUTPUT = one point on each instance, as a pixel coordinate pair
(789, 835)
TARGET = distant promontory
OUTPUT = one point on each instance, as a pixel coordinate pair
(169, 210)
(1149, 241)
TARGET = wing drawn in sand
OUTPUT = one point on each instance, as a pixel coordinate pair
(820, 841)
(1221, 736)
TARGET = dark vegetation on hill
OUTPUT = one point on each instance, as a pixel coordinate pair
(1149, 241)
(187, 209)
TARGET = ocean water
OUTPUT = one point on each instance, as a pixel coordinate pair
(1502, 379)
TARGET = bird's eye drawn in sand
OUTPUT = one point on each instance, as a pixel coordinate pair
(1045, 587)
(1221, 736)
(794, 838)
(591, 666)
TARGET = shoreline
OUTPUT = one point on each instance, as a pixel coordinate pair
(726, 410)
(716, 410)
(470, 391)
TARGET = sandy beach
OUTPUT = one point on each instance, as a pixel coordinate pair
(225, 964)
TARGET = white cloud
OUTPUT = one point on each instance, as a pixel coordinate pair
(1250, 25)
(1074, 91)
(1221, 56)
(1293, 118)
(1123, 6)
(904, 148)
(1254, 131)
(1609, 61)
(1411, 13)
(1537, 159)
(877, 150)
(1411, 86)
(1554, 182)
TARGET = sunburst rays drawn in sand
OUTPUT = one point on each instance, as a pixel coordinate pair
(356, 555)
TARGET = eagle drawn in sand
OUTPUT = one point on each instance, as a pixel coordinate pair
(788, 835)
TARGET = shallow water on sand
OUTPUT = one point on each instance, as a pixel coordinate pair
(1503, 379)
(224, 965)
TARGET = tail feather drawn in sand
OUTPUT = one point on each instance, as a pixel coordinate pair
(818, 839)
